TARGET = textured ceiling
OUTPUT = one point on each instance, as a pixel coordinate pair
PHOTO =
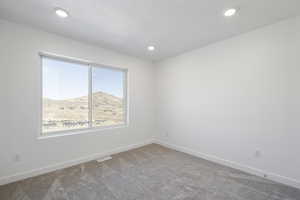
(129, 26)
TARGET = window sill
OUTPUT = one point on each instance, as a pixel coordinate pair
(55, 134)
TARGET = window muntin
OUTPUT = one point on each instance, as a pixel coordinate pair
(81, 96)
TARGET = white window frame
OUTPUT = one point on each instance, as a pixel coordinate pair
(90, 127)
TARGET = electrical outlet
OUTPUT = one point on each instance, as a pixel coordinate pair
(166, 134)
(257, 153)
(17, 158)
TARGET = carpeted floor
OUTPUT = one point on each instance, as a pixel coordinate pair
(150, 172)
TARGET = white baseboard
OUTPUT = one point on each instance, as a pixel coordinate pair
(44, 170)
(271, 176)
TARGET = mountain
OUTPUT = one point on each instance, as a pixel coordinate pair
(107, 110)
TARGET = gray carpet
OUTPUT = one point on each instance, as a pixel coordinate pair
(150, 172)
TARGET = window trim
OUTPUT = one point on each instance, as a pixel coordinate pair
(90, 128)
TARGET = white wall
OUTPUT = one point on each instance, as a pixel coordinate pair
(230, 98)
(20, 102)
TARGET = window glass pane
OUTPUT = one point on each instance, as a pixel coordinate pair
(107, 98)
(65, 95)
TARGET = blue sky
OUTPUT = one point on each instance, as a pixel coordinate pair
(64, 80)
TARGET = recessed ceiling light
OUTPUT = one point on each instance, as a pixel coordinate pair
(151, 48)
(230, 12)
(61, 13)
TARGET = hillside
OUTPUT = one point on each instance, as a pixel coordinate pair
(73, 113)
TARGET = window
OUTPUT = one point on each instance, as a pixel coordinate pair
(107, 97)
(81, 95)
